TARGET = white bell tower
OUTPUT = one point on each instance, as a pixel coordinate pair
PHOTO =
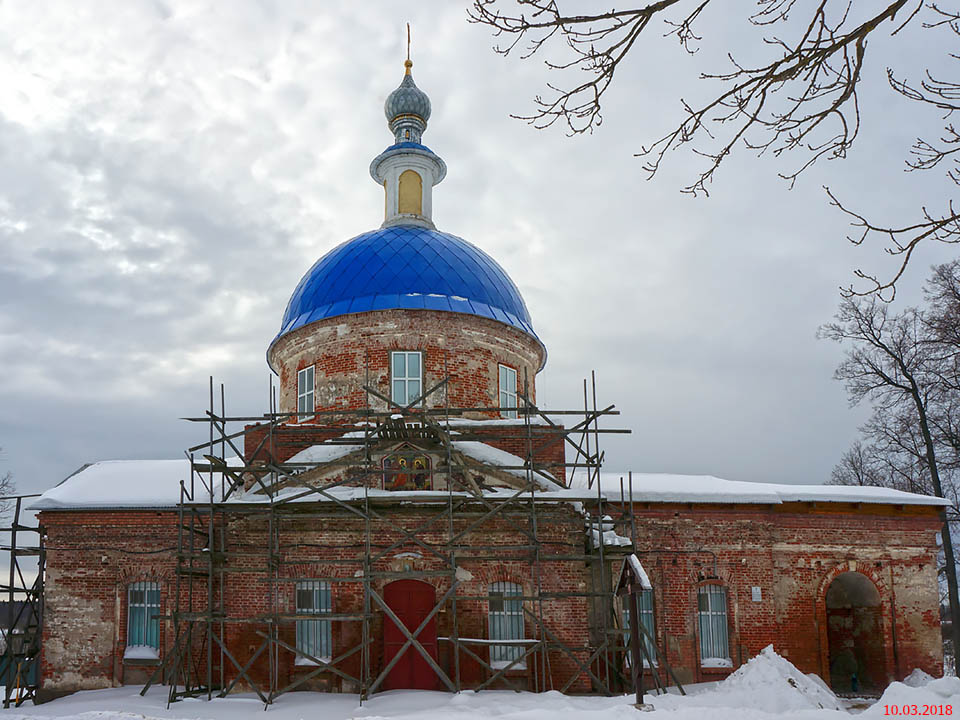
(408, 170)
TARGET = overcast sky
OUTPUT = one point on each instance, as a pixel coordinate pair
(168, 172)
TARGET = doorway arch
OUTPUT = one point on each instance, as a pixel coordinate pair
(411, 601)
(856, 650)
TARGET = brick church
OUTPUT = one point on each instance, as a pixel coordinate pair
(408, 514)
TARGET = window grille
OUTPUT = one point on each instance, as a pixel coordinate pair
(712, 602)
(508, 391)
(506, 623)
(305, 396)
(143, 604)
(406, 377)
(313, 636)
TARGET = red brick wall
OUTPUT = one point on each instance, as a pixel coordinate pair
(332, 547)
(791, 552)
(91, 558)
(467, 347)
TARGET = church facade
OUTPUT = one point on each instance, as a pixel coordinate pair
(409, 516)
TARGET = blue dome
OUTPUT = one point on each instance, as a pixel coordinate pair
(407, 267)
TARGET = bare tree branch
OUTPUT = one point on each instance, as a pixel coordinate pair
(900, 242)
(802, 100)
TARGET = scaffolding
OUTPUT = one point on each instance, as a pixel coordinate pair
(238, 512)
(22, 618)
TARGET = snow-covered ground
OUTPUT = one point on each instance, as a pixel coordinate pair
(765, 687)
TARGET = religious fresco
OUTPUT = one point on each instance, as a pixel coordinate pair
(407, 469)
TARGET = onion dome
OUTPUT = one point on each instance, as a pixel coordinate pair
(407, 109)
(407, 264)
(406, 267)
(407, 99)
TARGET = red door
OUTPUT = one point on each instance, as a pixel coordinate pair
(411, 601)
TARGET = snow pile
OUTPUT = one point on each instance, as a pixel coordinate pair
(918, 678)
(498, 704)
(767, 682)
(944, 691)
(610, 536)
(125, 703)
(770, 682)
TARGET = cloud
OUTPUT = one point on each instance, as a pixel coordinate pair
(168, 171)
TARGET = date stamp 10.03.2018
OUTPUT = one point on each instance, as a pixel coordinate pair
(918, 710)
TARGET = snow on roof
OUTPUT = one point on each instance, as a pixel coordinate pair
(639, 572)
(486, 454)
(667, 488)
(489, 455)
(120, 484)
(346, 493)
(156, 484)
(491, 422)
(324, 453)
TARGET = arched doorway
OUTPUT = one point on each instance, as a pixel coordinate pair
(855, 634)
(411, 601)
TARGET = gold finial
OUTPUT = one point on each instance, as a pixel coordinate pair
(408, 63)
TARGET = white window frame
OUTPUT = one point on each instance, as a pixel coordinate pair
(139, 634)
(401, 383)
(713, 625)
(306, 393)
(505, 622)
(508, 396)
(314, 636)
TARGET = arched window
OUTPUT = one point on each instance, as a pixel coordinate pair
(143, 627)
(712, 612)
(506, 623)
(410, 194)
(313, 635)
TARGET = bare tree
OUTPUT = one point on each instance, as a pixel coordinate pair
(894, 456)
(7, 487)
(892, 363)
(7, 484)
(943, 320)
(800, 101)
(858, 466)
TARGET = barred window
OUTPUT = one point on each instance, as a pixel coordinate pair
(506, 623)
(714, 644)
(313, 635)
(143, 605)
